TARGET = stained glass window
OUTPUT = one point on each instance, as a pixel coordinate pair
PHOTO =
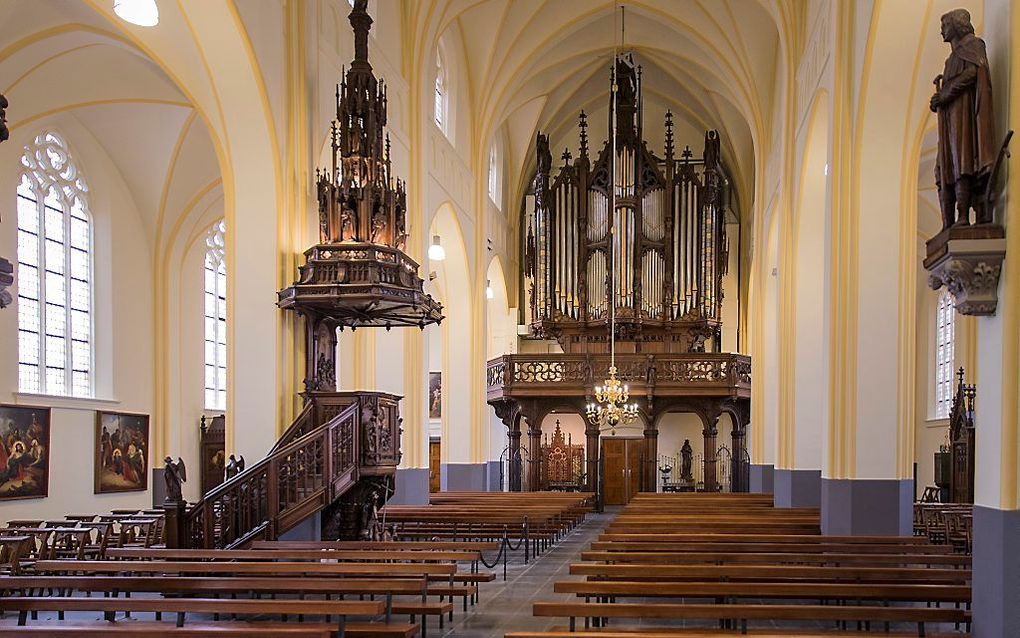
(215, 320)
(441, 93)
(945, 336)
(54, 276)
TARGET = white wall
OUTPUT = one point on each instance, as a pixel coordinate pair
(122, 321)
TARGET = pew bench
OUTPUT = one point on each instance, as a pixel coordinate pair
(775, 558)
(207, 586)
(742, 613)
(182, 606)
(166, 630)
(924, 593)
(770, 573)
(710, 633)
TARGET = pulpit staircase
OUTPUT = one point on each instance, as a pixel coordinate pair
(336, 441)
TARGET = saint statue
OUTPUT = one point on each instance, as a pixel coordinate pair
(174, 474)
(963, 101)
(686, 457)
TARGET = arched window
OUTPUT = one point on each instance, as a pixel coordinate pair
(945, 335)
(495, 185)
(215, 319)
(54, 273)
(442, 91)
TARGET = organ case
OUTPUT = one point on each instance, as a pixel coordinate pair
(666, 235)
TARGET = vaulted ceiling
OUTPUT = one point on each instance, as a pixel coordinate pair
(534, 64)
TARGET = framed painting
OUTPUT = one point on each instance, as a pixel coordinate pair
(435, 395)
(24, 452)
(122, 452)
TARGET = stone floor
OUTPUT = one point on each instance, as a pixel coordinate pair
(506, 606)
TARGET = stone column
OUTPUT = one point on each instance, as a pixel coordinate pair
(996, 560)
(534, 456)
(591, 452)
(739, 445)
(651, 455)
(710, 432)
(514, 459)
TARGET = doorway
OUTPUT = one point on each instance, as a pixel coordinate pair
(622, 460)
(435, 458)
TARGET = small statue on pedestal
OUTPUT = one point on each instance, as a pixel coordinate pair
(234, 466)
(686, 458)
(174, 474)
(966, 150)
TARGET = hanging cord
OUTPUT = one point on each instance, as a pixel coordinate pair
(612, 205)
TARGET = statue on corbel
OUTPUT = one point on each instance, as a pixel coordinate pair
(966, 257)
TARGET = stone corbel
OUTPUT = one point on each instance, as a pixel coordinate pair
(967, 260)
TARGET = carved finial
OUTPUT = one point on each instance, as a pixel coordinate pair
(959, 375)
(583, 124)
(361, 22)
(669, 134)
(566, 156)
(686, 154)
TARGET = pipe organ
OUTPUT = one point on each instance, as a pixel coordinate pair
(661, 223)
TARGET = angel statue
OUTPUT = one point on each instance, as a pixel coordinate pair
(234, 466)
(174, 474)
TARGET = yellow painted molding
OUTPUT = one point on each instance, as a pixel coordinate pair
(1009, 303)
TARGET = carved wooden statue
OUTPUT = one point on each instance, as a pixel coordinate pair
(966, 124)
(686, 458)
(174, 474)
(234, 466)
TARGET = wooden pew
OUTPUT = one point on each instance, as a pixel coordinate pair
(468, 591)
(166, 630)
(773, 591)
(776, 558)
(182, 606)
(205, 586)
(742, 613)
(771, 573)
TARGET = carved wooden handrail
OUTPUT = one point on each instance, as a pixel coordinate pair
(297, 479)
(715, 373)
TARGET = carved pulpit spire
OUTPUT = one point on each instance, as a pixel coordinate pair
(358, 274)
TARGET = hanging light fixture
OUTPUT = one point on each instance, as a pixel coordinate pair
(436, 252)
(611, 408)
(143, 13)
(489, 294)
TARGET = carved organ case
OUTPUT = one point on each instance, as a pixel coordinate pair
(666, 231)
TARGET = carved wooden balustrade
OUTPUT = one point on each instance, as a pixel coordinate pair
(527, 387)
(311, 466)
(661, 374)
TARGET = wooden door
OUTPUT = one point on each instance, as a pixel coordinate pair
(614, 471)
(621, 469)
(434, 461)
(635, 456)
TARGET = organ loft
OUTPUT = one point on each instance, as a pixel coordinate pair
(641, 236)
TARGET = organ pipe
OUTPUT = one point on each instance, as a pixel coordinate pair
(668, 233)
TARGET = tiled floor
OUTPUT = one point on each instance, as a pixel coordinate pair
(506, 606)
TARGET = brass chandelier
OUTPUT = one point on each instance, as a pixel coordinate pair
(610, 408)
